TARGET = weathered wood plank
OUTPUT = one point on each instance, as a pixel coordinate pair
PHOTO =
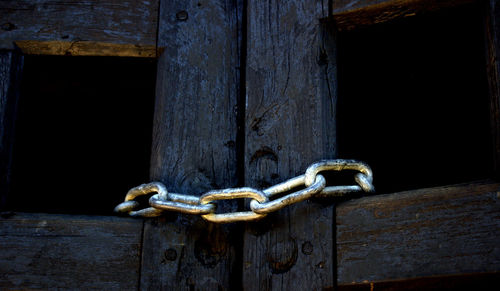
(435, 231)
(350, 14)
(85, 48)
(88, 27)
(290, 109)
(40, 251)
(194, 143)
(10, 73)
(492, 28)
(478, 281)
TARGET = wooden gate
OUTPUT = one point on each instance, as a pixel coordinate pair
(246, 94)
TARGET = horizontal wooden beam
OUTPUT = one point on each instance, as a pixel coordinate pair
(478, 281)
(106, 27)
(41, 251)
(351, 14)
(85, 48)
(427, 232)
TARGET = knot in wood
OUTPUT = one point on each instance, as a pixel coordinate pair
(282, 256)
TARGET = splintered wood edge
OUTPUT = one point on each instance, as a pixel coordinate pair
(366, 13)
(85, 48)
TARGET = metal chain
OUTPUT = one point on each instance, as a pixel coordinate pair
(262, 202)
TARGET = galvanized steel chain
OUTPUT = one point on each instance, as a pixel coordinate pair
(262, 203)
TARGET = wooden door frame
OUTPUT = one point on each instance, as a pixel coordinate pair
(140, 38)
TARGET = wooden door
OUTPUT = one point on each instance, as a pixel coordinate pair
(246, 95)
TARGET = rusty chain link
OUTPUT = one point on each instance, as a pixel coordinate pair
(262, 202)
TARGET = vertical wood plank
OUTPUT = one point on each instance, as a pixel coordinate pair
(492, 27)
(290, 110)
(10, 73)
(194, 140)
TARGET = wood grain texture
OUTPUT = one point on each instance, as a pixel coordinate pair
(351, 14)
(435, 231)
(477, 281)
(42, 251)
(111, 21)
(492, 28)
(85, 48)
(290, 111)
(194, 138)
(10, 74)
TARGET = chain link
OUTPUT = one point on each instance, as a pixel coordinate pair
(364, 178)
(129, 205)
(181, 203)
(291, 198)
(228, 194)
(312, 183)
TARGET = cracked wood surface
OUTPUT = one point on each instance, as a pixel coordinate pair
(48, 251)
(289, 123)
(110, 27)
(194, 138)
(435, 231)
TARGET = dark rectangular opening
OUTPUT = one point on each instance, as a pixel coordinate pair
(413, 99)
(83, 133)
